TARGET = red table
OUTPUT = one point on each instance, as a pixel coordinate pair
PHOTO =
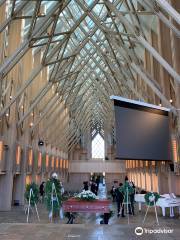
(96, 206)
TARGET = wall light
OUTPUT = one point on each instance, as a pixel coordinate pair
(31, 124)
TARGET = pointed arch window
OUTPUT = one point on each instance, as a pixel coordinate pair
(98, 150)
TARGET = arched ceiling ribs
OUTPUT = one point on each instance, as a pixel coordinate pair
(19, 53)
(91, 49)
(149, 5)
(144, 43)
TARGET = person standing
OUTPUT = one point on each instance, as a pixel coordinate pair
(127, 190)
(41, 191)
(61, 188)
(113, 194)
(119, 199)
(97, 183)
(86, 187)
(131, 196)
(61, 213)
(93, 188)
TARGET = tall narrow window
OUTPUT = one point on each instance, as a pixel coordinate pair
(98, 147)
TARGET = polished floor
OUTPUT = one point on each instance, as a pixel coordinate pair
(13, 226)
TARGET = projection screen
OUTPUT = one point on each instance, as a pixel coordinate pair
(142, 130)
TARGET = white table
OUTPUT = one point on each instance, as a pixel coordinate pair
(166, 201)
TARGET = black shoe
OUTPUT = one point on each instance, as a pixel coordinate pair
(123, 216)
(118, 215)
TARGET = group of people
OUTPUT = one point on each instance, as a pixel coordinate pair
(93, 185)
(124, 196)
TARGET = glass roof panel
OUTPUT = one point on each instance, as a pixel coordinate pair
(93, 41)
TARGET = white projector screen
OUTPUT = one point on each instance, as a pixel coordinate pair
(142, 132)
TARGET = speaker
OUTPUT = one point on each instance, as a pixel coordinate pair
(171, 165)
(16, 203)
(40, 143)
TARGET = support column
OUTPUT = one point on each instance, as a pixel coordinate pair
(6, 180)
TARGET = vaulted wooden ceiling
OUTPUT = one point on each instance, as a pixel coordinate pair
(93, 49)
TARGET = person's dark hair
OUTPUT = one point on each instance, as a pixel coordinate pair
(120, 184)
(126, 178)
(133, 184)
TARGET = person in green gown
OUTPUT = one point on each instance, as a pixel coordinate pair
(128, 192)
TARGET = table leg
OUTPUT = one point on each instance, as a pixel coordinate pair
(139, 206)
(106, 218)
(163, 211)
(70, 218)
(171, 212)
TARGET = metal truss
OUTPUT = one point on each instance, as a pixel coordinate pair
(92, 49)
